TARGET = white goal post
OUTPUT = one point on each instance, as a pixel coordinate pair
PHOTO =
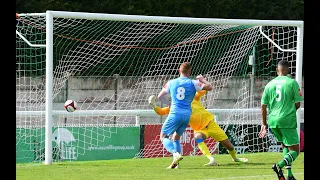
(91, 45)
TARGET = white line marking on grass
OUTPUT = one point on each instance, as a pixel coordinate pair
(27, 165)
(245, 177)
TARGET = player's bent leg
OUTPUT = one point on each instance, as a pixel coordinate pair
(289, 158)
(290, 142)
(176, 156)
(215, 131)
(169, 146)
(181, 126)
(200, 137)
(168, 128)
(228, 145)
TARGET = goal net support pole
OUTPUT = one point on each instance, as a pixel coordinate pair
(49, 87)
(299, 68)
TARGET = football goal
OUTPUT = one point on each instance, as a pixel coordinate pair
(111, 63)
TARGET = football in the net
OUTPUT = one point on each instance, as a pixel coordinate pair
(70, 105)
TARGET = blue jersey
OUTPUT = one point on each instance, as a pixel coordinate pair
(182, 91)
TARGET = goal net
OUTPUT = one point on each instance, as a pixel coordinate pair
(111, 64)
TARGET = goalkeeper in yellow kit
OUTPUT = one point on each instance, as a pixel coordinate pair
(204, 126)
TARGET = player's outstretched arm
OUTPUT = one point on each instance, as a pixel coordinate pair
(160, 111)
(207, 86)
(163, 93)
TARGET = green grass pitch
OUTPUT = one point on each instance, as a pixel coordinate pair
(191, 167)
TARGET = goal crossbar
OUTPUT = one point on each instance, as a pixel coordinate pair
(167, 19)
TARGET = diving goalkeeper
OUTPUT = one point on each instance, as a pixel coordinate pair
(204, 126)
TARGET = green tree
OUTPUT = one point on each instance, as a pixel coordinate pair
(232, 9)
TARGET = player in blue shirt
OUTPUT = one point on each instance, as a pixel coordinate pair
(182, 91)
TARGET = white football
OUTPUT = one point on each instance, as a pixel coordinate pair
(70, 105)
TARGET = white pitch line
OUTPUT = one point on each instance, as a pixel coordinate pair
(246, 177)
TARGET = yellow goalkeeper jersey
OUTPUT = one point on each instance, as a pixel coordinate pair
(199, 118)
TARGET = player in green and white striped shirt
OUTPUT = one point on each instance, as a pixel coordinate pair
(282, 96)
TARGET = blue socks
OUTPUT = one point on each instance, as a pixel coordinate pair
(169, 145)
(199, 140)
(177, 146)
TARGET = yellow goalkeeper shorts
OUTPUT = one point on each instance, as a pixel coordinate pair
(213, 130)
